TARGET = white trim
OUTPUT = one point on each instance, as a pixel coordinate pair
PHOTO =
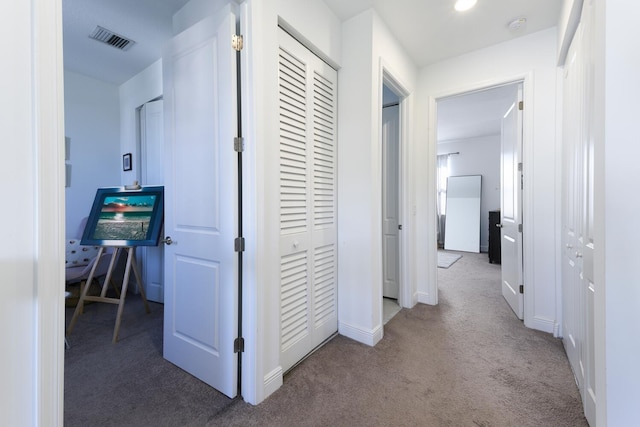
(253, 384)
(557, 332)
(527, 80)
(542, 324)
(48, 134)
(273, 381)
(386, 76)
(557, 329)
(304, 41)
(570, 30)
(424, 298)
(366, 336)
(431, 296)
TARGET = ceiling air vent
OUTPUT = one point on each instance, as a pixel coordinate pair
(109, 37)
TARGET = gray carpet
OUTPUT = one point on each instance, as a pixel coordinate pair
(129, 383)
(466, 362)
(446, 259)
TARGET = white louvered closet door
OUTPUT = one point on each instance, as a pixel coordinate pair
(308, 249)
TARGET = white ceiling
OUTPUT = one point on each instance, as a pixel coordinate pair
(474, 114)
(429, 31)
(147, 22)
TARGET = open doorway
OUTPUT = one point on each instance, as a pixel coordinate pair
(473, 133)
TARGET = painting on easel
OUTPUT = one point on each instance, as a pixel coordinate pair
(121, 217)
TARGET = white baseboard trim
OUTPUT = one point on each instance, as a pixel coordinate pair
(366, 336)
(556, 330)
(425, 298)
(541, 324)
(273, 381)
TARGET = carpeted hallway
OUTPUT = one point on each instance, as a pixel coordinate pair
(466, 362)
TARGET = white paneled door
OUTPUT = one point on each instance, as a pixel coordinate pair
(390, 203)
(308, 250)
(511, 206)
(200, 324)
(578, 284)
(152, 173)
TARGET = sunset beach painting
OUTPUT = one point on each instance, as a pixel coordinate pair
(125, 218)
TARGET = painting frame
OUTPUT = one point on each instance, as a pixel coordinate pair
(126, 162)
(122, 218)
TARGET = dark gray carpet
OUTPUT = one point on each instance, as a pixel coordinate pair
(129, 383)
(466, 362)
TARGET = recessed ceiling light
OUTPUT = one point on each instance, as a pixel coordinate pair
(462, 5)
(517, 24)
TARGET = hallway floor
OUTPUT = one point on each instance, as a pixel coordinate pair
(466, 362)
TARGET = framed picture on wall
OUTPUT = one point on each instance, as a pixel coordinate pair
(126, 162)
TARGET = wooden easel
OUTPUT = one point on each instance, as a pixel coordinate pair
(131, 263)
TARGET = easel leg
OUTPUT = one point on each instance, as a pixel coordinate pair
(83, 294)
(138, 277)
(107, 279)
(123, 293)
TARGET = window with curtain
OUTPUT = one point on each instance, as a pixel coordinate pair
(443, 174)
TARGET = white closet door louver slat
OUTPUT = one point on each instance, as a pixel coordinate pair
(307, 110)
(324, 284)
(324, 152)
(293, 150)
(294, 298)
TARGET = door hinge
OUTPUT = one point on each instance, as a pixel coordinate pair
(239, 244)
(238, 345)
(520, 167)
(522, 289)
(520, 228)
(521, 105)
(237, 42)
(238, 144)
(399, 226)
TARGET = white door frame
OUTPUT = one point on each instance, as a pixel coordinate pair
(46, 334)
(388, 79)
(527, 194)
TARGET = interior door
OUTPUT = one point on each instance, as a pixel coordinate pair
(152, 173)
(579, 286)
(200, 92)
(571, 224)
(511, 206)
(390, 205)
(308, 203)
(588, 209)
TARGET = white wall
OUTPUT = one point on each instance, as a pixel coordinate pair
(194, 11)
(92, 121)
(617, 207)
(367, 49)
(18, 259)
(313, 21)
(478, 156)
(32, 258)
(534, 58)
(138, 90)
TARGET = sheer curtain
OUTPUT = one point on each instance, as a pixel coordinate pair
(441, 200)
